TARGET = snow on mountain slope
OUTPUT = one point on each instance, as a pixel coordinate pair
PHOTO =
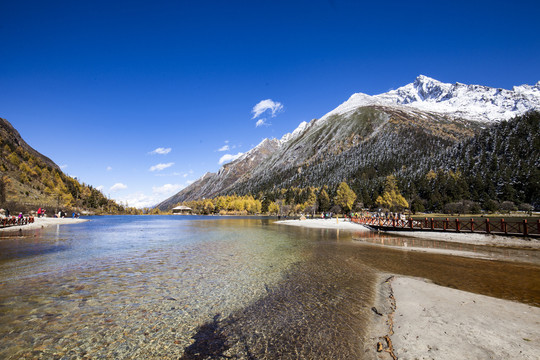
(471, 102)
(289, 136)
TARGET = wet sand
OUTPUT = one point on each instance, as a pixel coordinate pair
(436, 322)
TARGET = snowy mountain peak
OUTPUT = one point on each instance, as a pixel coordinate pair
(423, 81)
(264, 144)
(426, 88)
(525, 88)
(472, 102)
(289, 136)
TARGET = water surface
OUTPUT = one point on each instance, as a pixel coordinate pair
(203, 287)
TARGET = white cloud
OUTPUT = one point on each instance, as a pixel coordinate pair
(224, 148)
(261, 122)
(229, 157)
(63, 167)
(172, 174)
(159, 193)
(161, 151)
(138, 200)
(265, 105)
(109, 168)
(118, 186)
(167, 189)
(160, 167)
(100, 187)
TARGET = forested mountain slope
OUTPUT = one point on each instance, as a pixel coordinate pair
(501, 163)
(29, 179)
(401, 132)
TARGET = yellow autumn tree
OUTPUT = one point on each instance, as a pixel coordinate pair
(208, 207)
(14, 159)
(273, 208)
(391, 197)
(345, 197)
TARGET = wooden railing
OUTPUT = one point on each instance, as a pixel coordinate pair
(499, 227)
(13, 221)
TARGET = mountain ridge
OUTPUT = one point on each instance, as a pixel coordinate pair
(373, 124)
(472, 102)
(9, 134)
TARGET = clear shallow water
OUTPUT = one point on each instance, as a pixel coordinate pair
(200, 287)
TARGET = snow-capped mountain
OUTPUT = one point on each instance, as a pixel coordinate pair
(471, 102)
(367, 135)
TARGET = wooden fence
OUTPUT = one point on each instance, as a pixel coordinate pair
(499, 227)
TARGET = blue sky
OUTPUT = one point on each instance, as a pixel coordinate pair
(97, 86)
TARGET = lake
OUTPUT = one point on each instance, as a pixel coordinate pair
(194, 287)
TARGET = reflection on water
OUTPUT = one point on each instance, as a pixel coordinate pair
(195, 288)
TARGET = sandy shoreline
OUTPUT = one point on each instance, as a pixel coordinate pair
(434, 322)
(473, 239)
(43, 222)
(342, 224)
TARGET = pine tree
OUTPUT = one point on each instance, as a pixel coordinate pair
(324, 201)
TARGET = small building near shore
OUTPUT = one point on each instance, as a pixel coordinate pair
(182, 210)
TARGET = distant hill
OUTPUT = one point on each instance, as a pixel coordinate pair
(403, 132)
(30, 180)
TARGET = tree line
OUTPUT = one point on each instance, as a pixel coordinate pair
(296, 201)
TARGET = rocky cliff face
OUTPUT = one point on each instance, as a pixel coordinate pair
(367, 136)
